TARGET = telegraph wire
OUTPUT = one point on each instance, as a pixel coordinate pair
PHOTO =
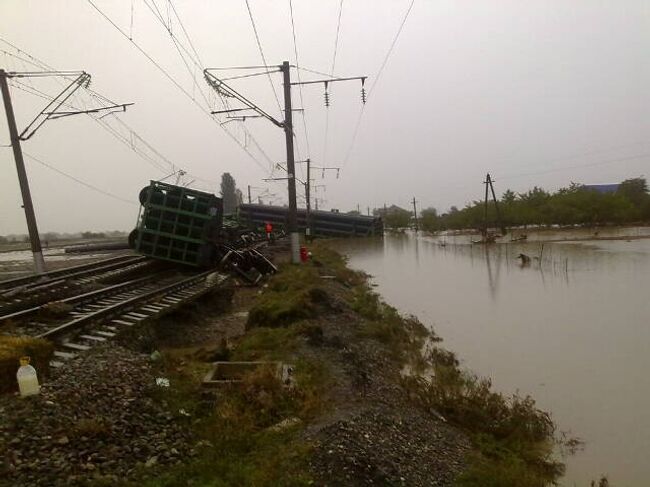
(302, 103)
(33, 91)
(79, 181)
(259, 45)
(336, 42)
(313, 71)
(158, 15)
(198, 58)
(175, 83)
(381, 70)
(390, 51)
(578, 166)
(327, 112)
(197, 63)
(128, 141)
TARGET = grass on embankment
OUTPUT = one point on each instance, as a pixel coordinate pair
(513, 439)
(511, 436)
(251, 434)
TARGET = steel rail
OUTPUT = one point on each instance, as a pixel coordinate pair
(88, 272)
(16, 282)
(84, 298)
(119, 308)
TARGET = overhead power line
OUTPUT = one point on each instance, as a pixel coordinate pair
(336, 41)
(77, 180)
(179, 87)
(132, 137)
(259, 45)
(577, 166)
(127, 141)
(302, 102)
(327, 111)
(195, 59)
(376, 80)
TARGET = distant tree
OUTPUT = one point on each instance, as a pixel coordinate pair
(396, 217)
(51, 236)
(429, 219)
(90, 235)
(228, 193)
(508, 197)
(240, 196)
(635, 190)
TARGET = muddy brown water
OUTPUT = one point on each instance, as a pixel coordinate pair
(572, 329)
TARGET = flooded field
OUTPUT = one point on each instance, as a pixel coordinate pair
(572, 328)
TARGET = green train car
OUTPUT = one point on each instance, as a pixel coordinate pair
(178, 224)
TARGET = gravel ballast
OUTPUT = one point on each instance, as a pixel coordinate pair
(95, 419)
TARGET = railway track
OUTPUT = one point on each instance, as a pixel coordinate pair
(67, 307)
(19, 282)
(92, 318)
(36, 292)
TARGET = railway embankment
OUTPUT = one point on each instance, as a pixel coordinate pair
(371, 399)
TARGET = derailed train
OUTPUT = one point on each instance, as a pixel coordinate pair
(186, 226)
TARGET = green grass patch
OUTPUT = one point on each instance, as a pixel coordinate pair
(403, 336)
(265, 344)
(287, 298)
(251, 435)
(513, 438)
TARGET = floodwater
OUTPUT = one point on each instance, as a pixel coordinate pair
(572, 329)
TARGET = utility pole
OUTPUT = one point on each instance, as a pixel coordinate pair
(50, 112)
(415, 215)
(292, 223)
(308, 200)
(489, 183)
(368, 211)
(358, 209)
(249, 194)
(39, 263)
(287, 125)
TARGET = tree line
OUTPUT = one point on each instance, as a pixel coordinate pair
(573, 205)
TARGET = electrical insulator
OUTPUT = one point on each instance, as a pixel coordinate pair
(327, 96)
(363, 96)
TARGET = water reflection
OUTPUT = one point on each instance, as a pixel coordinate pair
(570, 328)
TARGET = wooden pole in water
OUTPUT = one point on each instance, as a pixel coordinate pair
(415, 215)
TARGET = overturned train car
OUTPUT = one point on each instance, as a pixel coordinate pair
(321, 223)
(179, 224)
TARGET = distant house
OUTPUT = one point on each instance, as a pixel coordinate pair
(602, 188)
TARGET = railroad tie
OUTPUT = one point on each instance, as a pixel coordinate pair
(107, 334)
(93, 338)
(64, 355)
(76, 346)
(122, 322)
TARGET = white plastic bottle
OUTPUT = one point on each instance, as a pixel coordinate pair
(27, 378)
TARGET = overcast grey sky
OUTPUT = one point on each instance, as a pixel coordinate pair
(535, 92)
